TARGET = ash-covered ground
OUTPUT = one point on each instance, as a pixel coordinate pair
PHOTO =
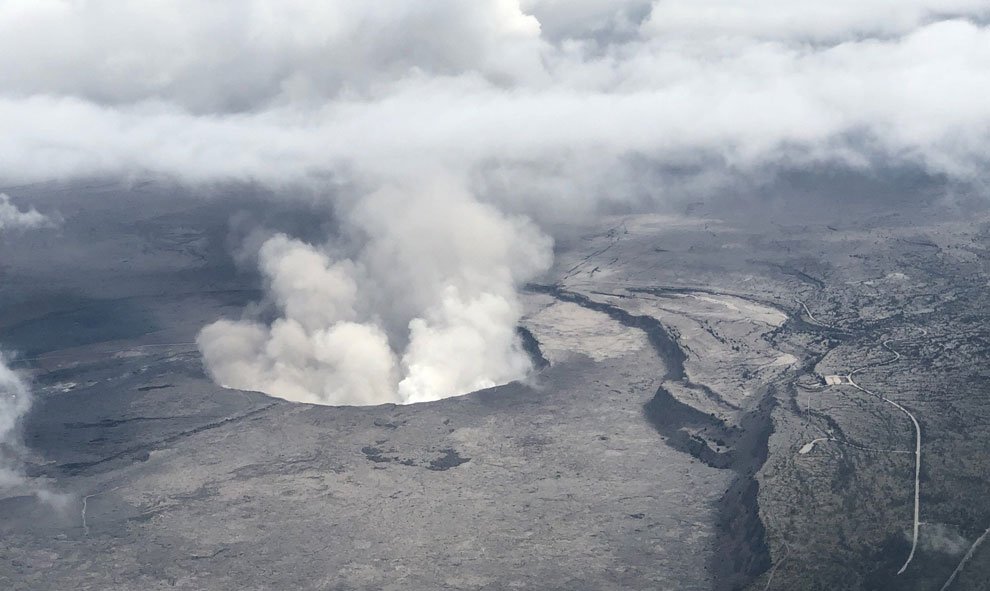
(679, 434)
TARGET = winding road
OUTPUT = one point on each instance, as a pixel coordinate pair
(814, 320)
(917, 446)
(808, 447)
(917, 468)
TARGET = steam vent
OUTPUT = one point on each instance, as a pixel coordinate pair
(531, 295)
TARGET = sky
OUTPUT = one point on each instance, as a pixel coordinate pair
(449, 136)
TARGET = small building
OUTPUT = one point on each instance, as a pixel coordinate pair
(834, 380)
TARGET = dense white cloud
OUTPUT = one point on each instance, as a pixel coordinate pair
(247, 54)
(804, 20)
(915, 97)
(534, 106)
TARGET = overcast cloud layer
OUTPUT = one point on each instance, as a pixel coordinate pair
(440, 122)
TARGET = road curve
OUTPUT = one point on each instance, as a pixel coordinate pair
(917, 435)
(917, 466)
(814, 320)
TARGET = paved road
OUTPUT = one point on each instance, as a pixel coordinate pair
(814, 320)
(917, 451)
(808, 447)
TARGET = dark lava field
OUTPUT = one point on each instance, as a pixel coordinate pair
(680, 432)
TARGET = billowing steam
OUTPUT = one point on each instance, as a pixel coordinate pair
(15, 401)
(426, 309)
(542, 108)
(12, 218)
(15, 392)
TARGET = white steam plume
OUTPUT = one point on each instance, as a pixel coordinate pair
(12, 218)
(425, 310)
(15, 391)
(15, 401)
(541, 105)
(15, 395)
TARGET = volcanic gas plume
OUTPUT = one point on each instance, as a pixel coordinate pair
(440, 132)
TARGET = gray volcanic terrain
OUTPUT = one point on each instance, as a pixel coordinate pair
(550, 295)
(680, 433)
